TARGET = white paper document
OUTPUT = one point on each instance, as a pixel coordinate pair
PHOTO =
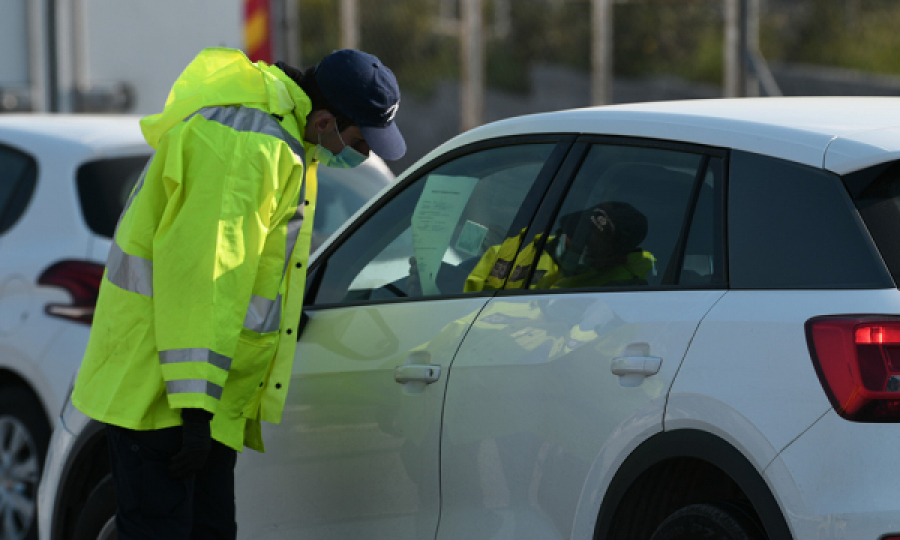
(434, 219)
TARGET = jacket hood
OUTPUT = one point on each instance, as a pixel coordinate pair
(220, 76)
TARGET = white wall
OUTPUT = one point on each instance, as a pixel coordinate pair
(149, 42)
(14, 43)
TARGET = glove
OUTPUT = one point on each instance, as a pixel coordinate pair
(196, 441)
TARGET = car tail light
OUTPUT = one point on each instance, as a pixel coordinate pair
(858, 362)
(81, 279)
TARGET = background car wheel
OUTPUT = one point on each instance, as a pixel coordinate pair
(24, 435)
(98, 517)
(720, 521)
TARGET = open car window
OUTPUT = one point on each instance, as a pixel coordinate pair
(427, 240)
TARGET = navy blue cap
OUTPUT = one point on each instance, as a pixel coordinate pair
(364, 89)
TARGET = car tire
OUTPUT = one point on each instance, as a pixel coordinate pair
(721, 521)
(24, 436)
(97, 520)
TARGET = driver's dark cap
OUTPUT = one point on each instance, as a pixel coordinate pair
(362, 88)
(627, 223)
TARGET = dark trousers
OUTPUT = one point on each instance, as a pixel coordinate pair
(152, 506)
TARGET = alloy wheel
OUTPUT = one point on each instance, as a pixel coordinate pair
(19, 476)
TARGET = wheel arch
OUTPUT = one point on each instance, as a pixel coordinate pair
(85, 467)
(675, 468)
(11, 378)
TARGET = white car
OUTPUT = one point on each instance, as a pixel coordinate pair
(650, 321)
(63, 183)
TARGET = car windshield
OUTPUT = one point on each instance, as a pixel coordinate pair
(103, 189)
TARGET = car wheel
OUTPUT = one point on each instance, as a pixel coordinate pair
(24, 436)
(720, 521)
(97, 520)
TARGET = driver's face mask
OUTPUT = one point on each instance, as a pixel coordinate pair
(347, 158)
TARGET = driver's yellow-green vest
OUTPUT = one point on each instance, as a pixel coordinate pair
(501, 261)
(203, 288)
(495, 268)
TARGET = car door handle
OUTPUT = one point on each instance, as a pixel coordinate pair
(644, 366)
(417, 373)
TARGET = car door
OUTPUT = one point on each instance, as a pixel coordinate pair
(551, 382)
(357, 453)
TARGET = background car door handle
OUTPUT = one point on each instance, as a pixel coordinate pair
(643, 366)
(417, 373)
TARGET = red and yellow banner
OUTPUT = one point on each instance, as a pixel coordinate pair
(257, 30)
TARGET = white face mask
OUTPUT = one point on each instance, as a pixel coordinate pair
(347, 158)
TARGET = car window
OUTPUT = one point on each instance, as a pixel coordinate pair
(794, 226)
(103, 189)
(18, 176)
(704, 258)
(621, 222)
(876, 193)
(429, 237)
(341, 192)
(334, 204)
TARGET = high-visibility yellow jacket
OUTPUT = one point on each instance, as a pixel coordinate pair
(203, 289)
(501, 261)
(493, 269)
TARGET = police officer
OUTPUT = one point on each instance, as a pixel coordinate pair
(194, 332)
(592, 248)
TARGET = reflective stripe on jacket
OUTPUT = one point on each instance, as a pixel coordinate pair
(205, 278)
(496, 265)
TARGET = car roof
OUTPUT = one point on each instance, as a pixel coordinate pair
(95, 134)
(841, 134)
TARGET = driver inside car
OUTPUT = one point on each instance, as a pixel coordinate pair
(596, 247)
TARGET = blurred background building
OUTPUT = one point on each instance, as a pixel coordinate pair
(460, 62)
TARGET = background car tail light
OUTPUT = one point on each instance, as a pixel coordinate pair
(81, 279)
(858, 362)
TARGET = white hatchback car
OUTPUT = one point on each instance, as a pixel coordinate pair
(63, 183)
(652, 321)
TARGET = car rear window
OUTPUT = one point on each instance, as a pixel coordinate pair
(876, 194)
(18, 173)
(103, 189)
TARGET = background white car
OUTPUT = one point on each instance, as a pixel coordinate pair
(653, 321)
(63, 182)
